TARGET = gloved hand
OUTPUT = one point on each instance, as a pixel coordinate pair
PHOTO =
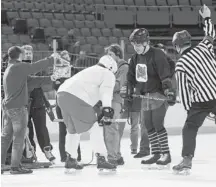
(106, 115)
(171, 96)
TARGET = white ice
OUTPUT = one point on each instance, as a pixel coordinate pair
(203, 173)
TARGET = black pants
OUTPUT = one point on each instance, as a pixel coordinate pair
(154, 119)
(195, 118)
(38, 116)
(62, 134)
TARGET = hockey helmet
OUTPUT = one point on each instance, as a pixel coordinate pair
(182, 38)
(139, 36)
(109, 63)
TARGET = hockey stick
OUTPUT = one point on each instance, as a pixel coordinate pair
(152, 98)
(90, 162)
(31, 148)
(111, 120)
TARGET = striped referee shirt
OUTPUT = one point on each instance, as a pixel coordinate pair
(196, 71)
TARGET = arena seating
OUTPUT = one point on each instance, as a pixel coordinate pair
(99, 22)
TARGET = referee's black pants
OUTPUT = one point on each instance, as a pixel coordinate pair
(62, 135)
(195, 118)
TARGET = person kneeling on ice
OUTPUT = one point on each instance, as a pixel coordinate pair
(76, 98)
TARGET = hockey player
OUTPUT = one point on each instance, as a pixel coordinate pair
(196, 78)
(111, 132)
(76, 98)
(15, 105)
(150, 72)
(37, 112)
(62, 128)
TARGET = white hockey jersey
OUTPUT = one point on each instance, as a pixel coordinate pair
(91, 85)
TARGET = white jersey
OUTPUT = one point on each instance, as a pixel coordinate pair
(91, 85)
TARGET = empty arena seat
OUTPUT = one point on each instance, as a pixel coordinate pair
(20, 26)
(57, 23)
(98, 49)
(129, 2)
(38, 35)
(19, 5)
(70, 16)
(117, 32)
(79, 24)
(89, 17)
(99, 24)
(86, 47)
(85, 32)
(113, 39)
(6, 46)
(39, 6)
(89, 24)
(99, 2)
(4, 38)
(157, 18)
(8, 5)
(48, 15)
(62, 31)
(195, 2)
(68, 24)
(96, 32)
(42, 47)
(103, 41)
(69, 7)
(207, 2)
(89, 2)
(25, 39)
(150, 3)
(29, 5)
(50, 31)
(81, 39)
(37, 15)
(92, 40)
(12, 15)
(14, 39)
(90, 8)
(118, 2)
(59, 16)
(185, 17)
(49, 6)
(32, 23)
(44, 22)
(7, 30)
(59, 7)
(126, 33)
(139, 2)
(25, 14)
(172, 2)
(119, 17)
(184, 2)
(80, 17)
(106, 32)
(79, 8)
(161, 2)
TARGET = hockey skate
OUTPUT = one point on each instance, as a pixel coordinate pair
(151, 162)
(164, 161)
(184, 167)
(71, 165)
(49, 155)
(102, 164)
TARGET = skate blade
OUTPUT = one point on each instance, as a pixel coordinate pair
(107, 171)
(164, 167)
(72, 171)
(149, 167)
(183, 172)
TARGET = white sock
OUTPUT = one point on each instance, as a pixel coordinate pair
(72, 143)
(97, 139)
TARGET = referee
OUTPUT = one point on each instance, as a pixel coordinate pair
(196, 79)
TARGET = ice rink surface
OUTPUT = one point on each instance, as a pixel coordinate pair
(203, 173)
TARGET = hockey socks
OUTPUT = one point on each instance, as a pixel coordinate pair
(153, 138)
(163, 141)
(72, 143)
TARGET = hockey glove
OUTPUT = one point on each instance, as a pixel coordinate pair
(106, 116)
(171, 96)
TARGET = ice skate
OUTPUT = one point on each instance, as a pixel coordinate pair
(102, 164)
(71, 165)
(184, 166)
(49, 155)
(164, 161)
(20, 170)
(150, 163)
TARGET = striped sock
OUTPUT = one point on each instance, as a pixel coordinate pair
(153, 138)
(163, 140)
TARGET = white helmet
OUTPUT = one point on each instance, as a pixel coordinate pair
(109, 63)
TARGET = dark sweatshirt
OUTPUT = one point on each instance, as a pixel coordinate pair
(15, 81)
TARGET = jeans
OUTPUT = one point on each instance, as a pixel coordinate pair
(134, 118)
(111, 134)
(15, 125)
